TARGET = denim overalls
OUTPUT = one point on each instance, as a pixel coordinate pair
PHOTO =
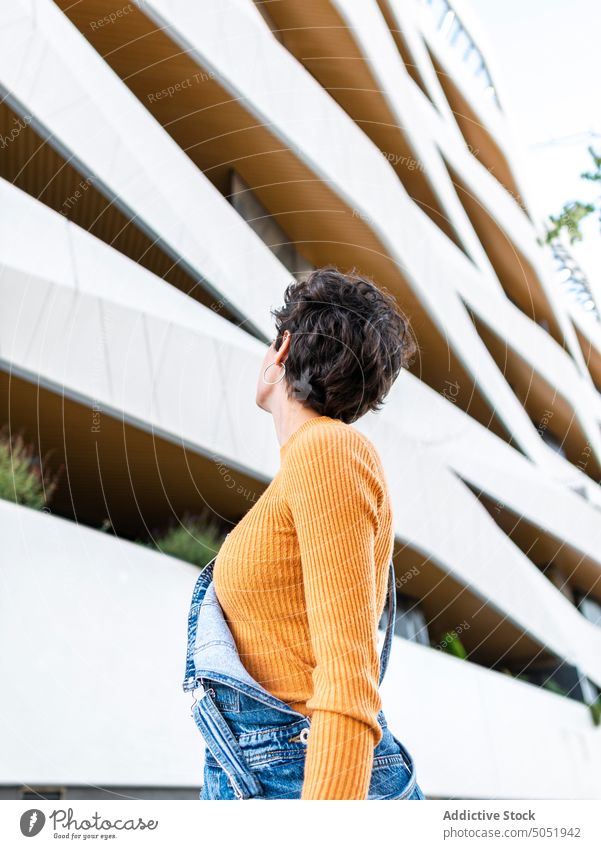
(256, 743)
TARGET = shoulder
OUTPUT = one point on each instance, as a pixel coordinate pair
(332, 462)
(333, 444)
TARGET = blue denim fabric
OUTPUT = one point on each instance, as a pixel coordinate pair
(255, 743)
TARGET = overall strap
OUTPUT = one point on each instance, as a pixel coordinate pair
(225, 748)
(203, 581)
(390, 620)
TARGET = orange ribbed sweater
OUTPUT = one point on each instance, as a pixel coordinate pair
(302, 582)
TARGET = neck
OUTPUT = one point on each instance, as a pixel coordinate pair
(289, 418)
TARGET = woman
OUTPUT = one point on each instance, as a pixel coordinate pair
(283, 626)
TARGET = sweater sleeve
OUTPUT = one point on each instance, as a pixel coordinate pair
(333, 490)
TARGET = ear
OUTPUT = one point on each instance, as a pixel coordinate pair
(284, 349)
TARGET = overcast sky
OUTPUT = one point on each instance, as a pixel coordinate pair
(547, 57)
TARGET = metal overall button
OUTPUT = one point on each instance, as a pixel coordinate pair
(302, 737)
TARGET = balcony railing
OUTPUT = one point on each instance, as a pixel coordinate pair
(455, 34)
(573, 279)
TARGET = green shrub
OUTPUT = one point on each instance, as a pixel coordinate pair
(21, 477)
(595, 709)
(554, 687)
(195, 539)
(453, 645)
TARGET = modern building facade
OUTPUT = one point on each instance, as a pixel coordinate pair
(167, 167)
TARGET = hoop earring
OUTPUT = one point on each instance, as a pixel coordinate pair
(273, 382)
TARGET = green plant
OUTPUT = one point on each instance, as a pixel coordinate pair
(194, 539)
(453, 645)
(21, 477)
(548, 684)
(569, 220)
(554, 687)
(575, 211)
(595, 709)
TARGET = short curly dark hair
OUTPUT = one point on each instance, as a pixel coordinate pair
(349, 343)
